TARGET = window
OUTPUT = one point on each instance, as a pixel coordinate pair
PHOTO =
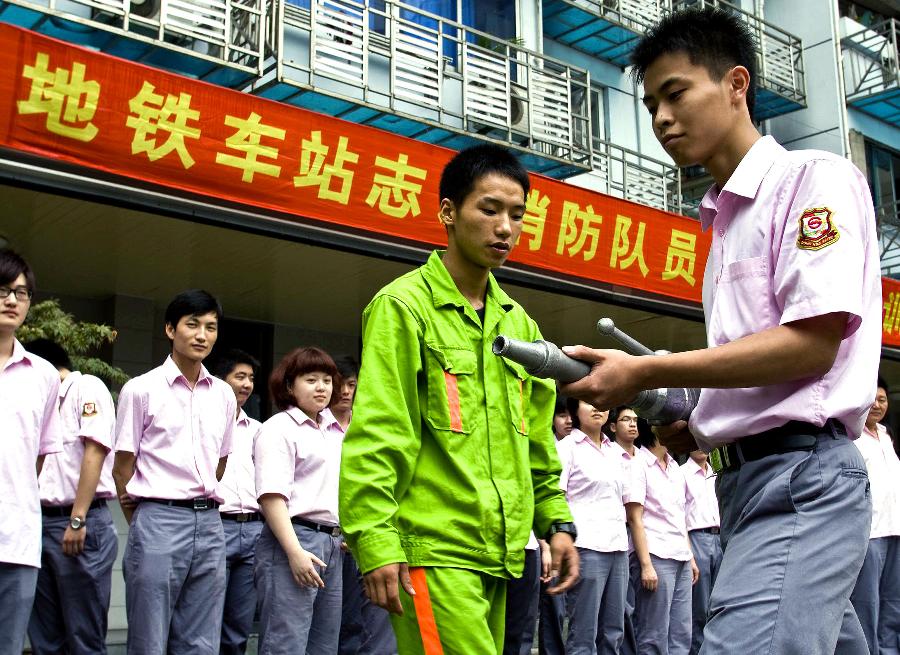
(884, 175)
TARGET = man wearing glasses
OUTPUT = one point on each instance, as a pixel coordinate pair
(29, 425)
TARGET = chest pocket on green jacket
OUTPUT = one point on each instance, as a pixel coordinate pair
(451, 380)
(518, 389)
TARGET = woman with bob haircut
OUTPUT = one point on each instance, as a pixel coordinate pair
(297, 455)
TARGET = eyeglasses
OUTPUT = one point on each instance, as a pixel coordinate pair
(22, 293)
(628, 419)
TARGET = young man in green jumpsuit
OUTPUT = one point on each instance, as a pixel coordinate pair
(449, 462)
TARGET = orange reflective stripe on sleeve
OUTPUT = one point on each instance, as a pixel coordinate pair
(453, 402)
(522, 402)
(431, 642)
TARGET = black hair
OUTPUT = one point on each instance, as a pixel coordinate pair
(712, 37)
(881, 384)
(347, 366)
(228, 361)
(193, 302)
(572, 407)
(51, 351)
(561, 404)
(12, 265)
(470, 165)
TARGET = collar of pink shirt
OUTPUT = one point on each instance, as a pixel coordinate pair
(328, 420)
(243, 420)
(580, 436)
(172, 373)
(745, 181)
(692, 467)
(19, 355)
(650, 459)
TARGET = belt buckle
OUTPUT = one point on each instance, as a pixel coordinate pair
(336, 531)
(243, 518)
(201, 503)
(719, 460)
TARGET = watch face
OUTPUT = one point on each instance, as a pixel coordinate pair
(76, 523)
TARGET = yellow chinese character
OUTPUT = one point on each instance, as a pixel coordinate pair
(622, 243)
(535, 217)
(250, 132)
(150, 113)
(66, 97)
(891, 307)
(315, 172)
(681, 256)
(574, 235)
(396, 196)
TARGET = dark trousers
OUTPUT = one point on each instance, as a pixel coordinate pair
(522, 606)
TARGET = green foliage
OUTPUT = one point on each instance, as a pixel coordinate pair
(48, 320)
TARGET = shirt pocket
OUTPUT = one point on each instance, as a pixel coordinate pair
(518, 389)
(742, 301)
(451, 376)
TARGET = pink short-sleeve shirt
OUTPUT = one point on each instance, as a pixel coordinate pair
(702, 505)
(176, 433)
(793, 237)
(596, 480)
(29, 427)
(237, 488)
(663, 493)
(86, 412)
(300, 461)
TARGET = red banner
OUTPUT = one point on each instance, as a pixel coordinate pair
(105, 113)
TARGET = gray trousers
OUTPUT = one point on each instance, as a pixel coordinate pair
(522, 606)
(174, 567)
(707, 549)
(876, 597)
(294, 619)
(365, 627)
(795, 528)
(551, 618)
(240, 592)
(17, 585)
(72, 601)
(662, 618)
(596, 604)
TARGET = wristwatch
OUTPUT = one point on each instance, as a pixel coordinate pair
(76, 523)
(567, 527)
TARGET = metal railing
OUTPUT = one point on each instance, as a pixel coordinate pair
(411, 63)
(630, 175)
(636, 15)
(871, 60)
(887, 218)
(779, 53)
(227, 32)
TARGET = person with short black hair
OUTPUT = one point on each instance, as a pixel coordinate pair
(298, 556)
(793, 313)
(71, 607)
(174, 432)
(447, 465)
(342, 399)
(241, 518)
(876, 596)
(30, 429)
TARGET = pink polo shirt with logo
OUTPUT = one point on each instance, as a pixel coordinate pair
(596, 480)
(86, 412)
(884, 481)
(793, 237)
(237, 488)
(176, 433)
(301, 461)
(702, 505)
(663, 493)
(29, 426)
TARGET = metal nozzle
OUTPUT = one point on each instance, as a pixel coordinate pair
(541, 359)
(632, 346)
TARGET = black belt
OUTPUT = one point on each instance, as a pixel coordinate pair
(66, 511)
(196, 504)
(706, 530)
(790, 437)
(333, 530)
(241, 518)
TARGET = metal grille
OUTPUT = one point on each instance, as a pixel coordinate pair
(871, 59)
(630, 175)
(416, 63)
(486, 80)
(551, 107)
(339, 41)
(202, 19)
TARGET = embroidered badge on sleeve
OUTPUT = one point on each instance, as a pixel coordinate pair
(89, 409)
(817, 230)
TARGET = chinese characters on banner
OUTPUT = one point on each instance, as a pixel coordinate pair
(127, 119)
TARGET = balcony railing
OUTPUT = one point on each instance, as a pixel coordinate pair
(607, 29)
(396, 67)
(219, 41)
(871, 72)
(630, 175)
(781, 84)
(887, 217)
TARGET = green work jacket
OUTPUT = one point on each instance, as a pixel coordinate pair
(449, 459)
